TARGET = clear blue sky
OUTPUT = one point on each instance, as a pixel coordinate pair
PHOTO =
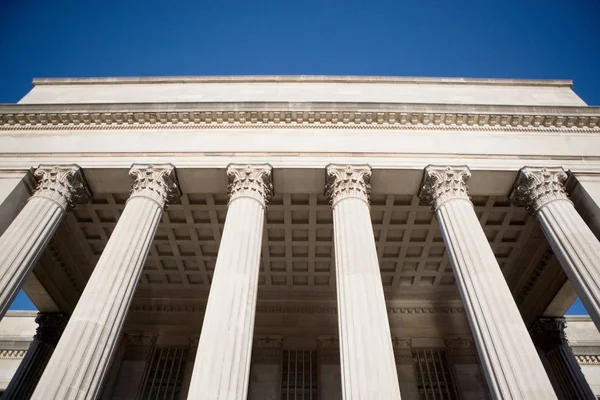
(479, 38)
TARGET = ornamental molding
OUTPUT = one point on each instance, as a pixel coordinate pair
(536, 187)
(588, 359)
(460, 345)
(253, 181)
(330, 343)
(156, 182)
(140, 339)
(402, 343)
(319, 310)
(63, 184)
(267, 341)
(462, 349)
(466, 119)
(535, 275)
(443, 183)
(11, 354)
(347, 181)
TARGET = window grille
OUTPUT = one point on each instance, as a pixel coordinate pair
(164, 375)
(434, 378)
(299, 375)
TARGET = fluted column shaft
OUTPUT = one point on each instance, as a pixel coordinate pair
(366, 352)
(222, 366)
(21, 245)
(81, 359)
(542, 192)
(549, 335)
(50, 328)
(511, 364)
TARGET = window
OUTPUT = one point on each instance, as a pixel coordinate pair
(164, 376)
(433, 374)
(299, 375)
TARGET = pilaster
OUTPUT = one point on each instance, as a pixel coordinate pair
(222, 367)
(509, 359)
(367, 357)
(542, 192)
(82, 358)
(58, 189)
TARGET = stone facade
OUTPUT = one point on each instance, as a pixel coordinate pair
(314, 237)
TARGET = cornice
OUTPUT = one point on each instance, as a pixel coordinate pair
(302, 78)
(298, 116)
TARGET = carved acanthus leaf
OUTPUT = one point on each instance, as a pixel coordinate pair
(401, 343)
(328, 343)
(141, 339)
(536, 187)
(268, 341)
(156, 182)
(443, 183)
(348, 181)
(50, 327)
(549, 333)
(252, 181)
(460, 345)
(64, 184)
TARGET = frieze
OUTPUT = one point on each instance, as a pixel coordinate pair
(322, 310)
(329, 119)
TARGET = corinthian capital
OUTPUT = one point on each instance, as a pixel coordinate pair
(348, 181)
(443, 183)
(156, 182)
(64, 184)
(536, 187)
(549, 333)
(50, 327)
(252, 181)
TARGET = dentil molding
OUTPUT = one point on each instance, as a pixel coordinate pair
(299, 119)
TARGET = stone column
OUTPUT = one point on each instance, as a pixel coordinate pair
(59, 188)
(549, 336)
(81, 359)
(510, 362)
(367, 356)
(542, 192)
(49, 330)
(222, 366)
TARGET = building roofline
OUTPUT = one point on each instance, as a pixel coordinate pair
(21, 313)
(300, 78)
(580, 318)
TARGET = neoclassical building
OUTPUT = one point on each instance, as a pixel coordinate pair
(300, 237)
